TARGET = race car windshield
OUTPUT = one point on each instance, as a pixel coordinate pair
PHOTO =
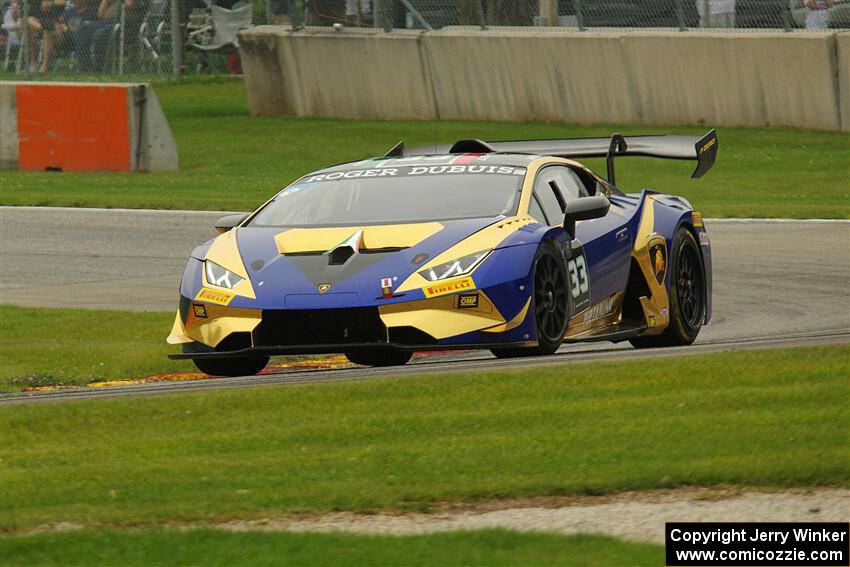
(392, 195)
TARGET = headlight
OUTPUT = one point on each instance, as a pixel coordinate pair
(454, 268)
(221, 277)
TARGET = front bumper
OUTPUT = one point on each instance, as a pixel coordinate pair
(465, 320)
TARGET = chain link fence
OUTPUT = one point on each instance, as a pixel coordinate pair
(109, 40)
(103, 40)
(682, 15)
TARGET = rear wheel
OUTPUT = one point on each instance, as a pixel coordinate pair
(687, 295)
(237, 366)
(379, 357)
(550, 304)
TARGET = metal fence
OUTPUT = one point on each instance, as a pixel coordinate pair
(681, 15)
(157, 39)
(96, 40)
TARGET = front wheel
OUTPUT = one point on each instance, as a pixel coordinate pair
(687, 295)
(379, 357)
(236, 366)
(550, 304)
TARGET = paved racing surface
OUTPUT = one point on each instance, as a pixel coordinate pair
(776, 283)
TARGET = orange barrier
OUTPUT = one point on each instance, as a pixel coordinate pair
(85, 127)
(73, 128)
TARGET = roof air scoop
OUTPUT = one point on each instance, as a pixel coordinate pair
(342, 252)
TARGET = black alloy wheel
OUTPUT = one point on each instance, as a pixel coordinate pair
(690, 288)
(550, 303)
(687, 295)
(235, 366)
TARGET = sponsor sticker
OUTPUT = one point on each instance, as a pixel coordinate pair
(219, 297)
(200, 310)
(462, 284)
(579, 278)
(622, 234)
(408, 171)
(697, 219)
(707, 146)
(467, 301)
(599, 310)
(387, 288)
(703, 239)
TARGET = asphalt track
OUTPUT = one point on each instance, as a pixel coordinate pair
(776, 284)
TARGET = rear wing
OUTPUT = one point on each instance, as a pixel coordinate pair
(701, 149)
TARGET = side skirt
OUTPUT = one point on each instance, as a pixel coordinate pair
(340, 348)
(614, 334)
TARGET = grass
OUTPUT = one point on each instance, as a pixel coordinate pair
(47, 347)
(759, 418)
(231, 161)
(214, 547)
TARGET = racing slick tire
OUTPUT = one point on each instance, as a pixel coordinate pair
(687, 295)
(550, 304)
(379, 357)
(237, 366)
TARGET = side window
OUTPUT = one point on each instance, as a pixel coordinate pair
(572, 184)
(548, 192)
(535, 210)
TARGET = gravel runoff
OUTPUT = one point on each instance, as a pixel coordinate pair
(630, 516)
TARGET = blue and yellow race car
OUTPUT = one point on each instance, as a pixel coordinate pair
(508, 246)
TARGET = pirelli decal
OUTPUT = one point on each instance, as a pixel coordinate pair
(219, 297)
(464, 284)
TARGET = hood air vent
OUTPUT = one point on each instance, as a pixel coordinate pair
(343, 251)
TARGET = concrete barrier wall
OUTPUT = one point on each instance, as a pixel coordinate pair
(97, 127)
(368, 74)
(843, 62)
(721, 79)
(8, 127)
(519, 76)
(763, 79)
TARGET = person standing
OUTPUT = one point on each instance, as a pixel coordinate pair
(818, 16)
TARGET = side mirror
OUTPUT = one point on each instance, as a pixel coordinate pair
(584, 208)
(227, 222)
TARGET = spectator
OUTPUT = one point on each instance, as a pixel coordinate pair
(12, 28)
(108, 15)
(88, 24)
(716, 13)
(135, 12)
(44, 19)
(818, 16)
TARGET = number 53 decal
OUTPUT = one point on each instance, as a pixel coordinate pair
(579, 279)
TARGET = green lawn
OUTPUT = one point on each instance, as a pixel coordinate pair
(48, 347)
(214, 547)
(231, 161)
(758, 418)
